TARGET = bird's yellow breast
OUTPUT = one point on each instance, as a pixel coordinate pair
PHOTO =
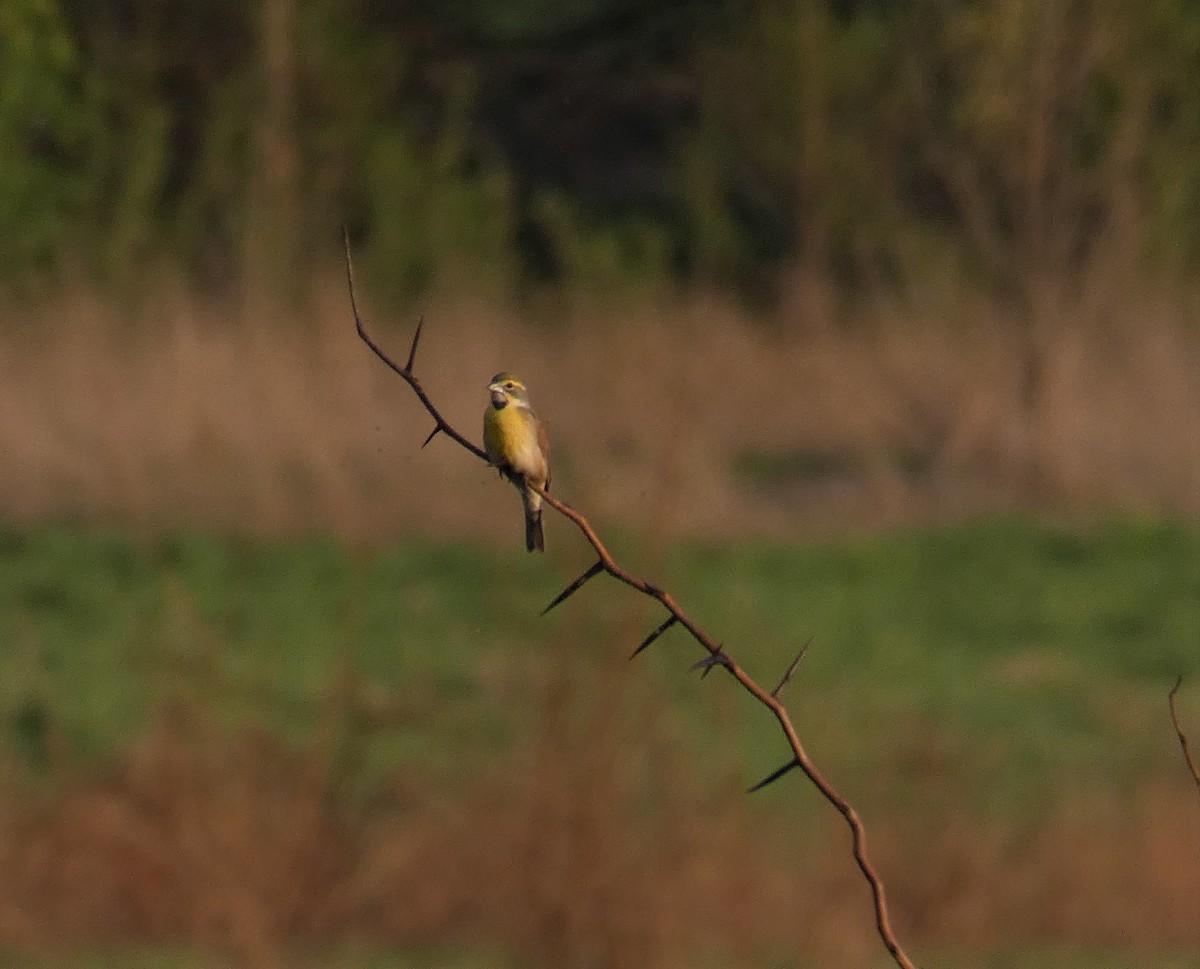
(510, 438)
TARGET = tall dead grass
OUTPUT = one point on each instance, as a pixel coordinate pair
(184, 413)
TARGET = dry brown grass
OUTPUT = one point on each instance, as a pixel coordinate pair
(1100, 875)
(593, 844)
(182, 413)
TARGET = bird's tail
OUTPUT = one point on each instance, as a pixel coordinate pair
(534, 539)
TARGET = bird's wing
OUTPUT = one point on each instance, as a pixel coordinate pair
(544, 447)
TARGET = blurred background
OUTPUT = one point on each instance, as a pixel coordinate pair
(875, 324)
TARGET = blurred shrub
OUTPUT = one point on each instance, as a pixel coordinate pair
(602, 143)
(39, 130)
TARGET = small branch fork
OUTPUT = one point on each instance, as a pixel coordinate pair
(1183, 741)
(405, 372)
(716, 654)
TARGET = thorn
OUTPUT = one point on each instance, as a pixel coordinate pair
(412, 352)
(432, 434)
(774, 776)
(666, 624)
(709, 663)
(787, 675)
(574, 586)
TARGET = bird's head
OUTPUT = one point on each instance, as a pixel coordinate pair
(507, 389)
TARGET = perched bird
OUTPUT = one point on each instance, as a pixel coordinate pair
(516, 446)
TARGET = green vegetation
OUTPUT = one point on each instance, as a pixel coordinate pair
(1006, 656)
(599, 143)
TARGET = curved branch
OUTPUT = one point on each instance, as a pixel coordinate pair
(717, 655)
(405, 372)
(1183, 741)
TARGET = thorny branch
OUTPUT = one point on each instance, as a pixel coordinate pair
(1183, 741)
(717, 655)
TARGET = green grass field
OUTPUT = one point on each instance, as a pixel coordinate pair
(997, 669)
(1057, 645)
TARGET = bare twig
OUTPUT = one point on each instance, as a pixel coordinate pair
(717, 656)
(1183, 741)
(405, 372)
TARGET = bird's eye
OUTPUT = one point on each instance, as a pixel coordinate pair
(509, 385)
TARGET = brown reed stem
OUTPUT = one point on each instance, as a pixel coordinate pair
(1183, 741)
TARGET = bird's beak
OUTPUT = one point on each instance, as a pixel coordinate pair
(499, 397)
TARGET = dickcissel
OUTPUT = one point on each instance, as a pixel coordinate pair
(515, 442)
